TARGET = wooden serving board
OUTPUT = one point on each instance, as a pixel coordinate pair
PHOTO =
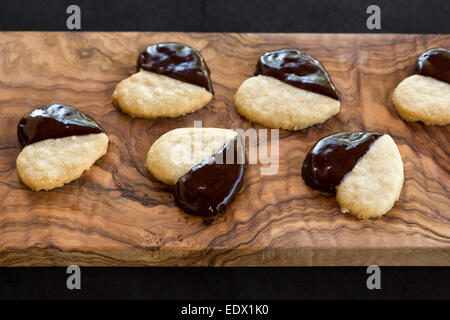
(116, 215)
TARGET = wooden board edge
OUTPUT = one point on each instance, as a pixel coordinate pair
(291, 257)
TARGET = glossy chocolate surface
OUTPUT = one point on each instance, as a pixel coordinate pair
(435, 63)
(332, 157)
(208, 188)
(177, 61)
(55, 121)
(298, 69)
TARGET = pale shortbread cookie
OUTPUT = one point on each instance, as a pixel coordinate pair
(149, 95)
(276, 104)
(371, 188)
(421, 98)
(177, 151)
(51, 163)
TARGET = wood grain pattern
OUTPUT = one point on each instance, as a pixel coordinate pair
(115, 215)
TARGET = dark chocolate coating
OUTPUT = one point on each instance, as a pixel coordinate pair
(177, 61)
(298, 69)
(332, 157)
(55, 121)
(435, 63)
(208, 188)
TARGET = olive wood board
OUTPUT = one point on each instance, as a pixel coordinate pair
(117, 215)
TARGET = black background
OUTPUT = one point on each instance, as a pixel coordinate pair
(398, 16)
(413, 16)
(226, 283)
